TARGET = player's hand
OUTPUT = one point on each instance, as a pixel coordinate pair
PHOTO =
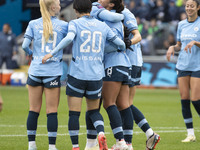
(170, 52)
(127, 42)
(189, 46)
(46, 57)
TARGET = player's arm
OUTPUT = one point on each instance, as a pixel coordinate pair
(119, 43)
(25, 46)
(110, 16)
(190, 45)
(136, 38)
(65, 42)
(172, 49)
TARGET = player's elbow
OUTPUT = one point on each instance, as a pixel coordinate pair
(24, 46)
(139, 38)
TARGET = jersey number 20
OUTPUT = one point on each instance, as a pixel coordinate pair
(91, 36)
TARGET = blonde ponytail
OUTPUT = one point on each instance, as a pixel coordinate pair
(47, 24)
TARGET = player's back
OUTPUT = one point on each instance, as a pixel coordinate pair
(41, 48)
(88, 47)
(115, 58)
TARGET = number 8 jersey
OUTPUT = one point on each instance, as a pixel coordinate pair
(34, 32)
(88, 47)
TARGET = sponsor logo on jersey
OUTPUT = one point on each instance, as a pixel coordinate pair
(54, 83)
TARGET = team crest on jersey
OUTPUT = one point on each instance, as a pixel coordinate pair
(196, 29)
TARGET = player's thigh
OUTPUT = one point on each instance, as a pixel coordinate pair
(92, 104)
(184, 87)
(109, 92)
(74, 103)
(123, 98)
(52, 96)
(35, 98)
(195, 88)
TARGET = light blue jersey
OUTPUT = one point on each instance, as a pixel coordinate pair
(102, 14)
(116, 58)
(187, 32)
(34, 32)
(88, 47)
(131, 23)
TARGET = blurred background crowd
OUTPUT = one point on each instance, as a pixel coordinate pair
(157, 21)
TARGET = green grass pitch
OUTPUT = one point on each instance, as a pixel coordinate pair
(161, 108)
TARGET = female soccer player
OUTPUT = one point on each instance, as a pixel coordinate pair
(188, 64)
(135, 56)
(115, 86)
(101, 14)
(46, 32)
(86, 69)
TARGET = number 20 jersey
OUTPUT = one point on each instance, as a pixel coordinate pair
(88, 47)
(34, 31)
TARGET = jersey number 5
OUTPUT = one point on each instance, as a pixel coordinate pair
(90, 36)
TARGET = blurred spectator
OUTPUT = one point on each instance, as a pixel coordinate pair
(142, 27)
(8, 47)
(169, 41)
(181, 8)
(153, 27)
(173, 10)
(183, 16)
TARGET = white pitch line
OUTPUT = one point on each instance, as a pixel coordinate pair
(67, 134)
(83, 126)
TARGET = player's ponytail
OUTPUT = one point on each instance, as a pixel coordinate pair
(47, 24)
(119, 6)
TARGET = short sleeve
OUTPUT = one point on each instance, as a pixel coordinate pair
(129, 20)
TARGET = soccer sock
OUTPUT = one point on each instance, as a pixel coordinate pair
(115, 122)
(187, 115)
(32, 125)
(141, 121)
(97, 120)
(52, 127)
(73, 127)
(91, 130)
(127, 121)
(196, 105)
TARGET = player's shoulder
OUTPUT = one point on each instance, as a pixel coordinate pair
(182, 22)
(61, 22)
(34, 21)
